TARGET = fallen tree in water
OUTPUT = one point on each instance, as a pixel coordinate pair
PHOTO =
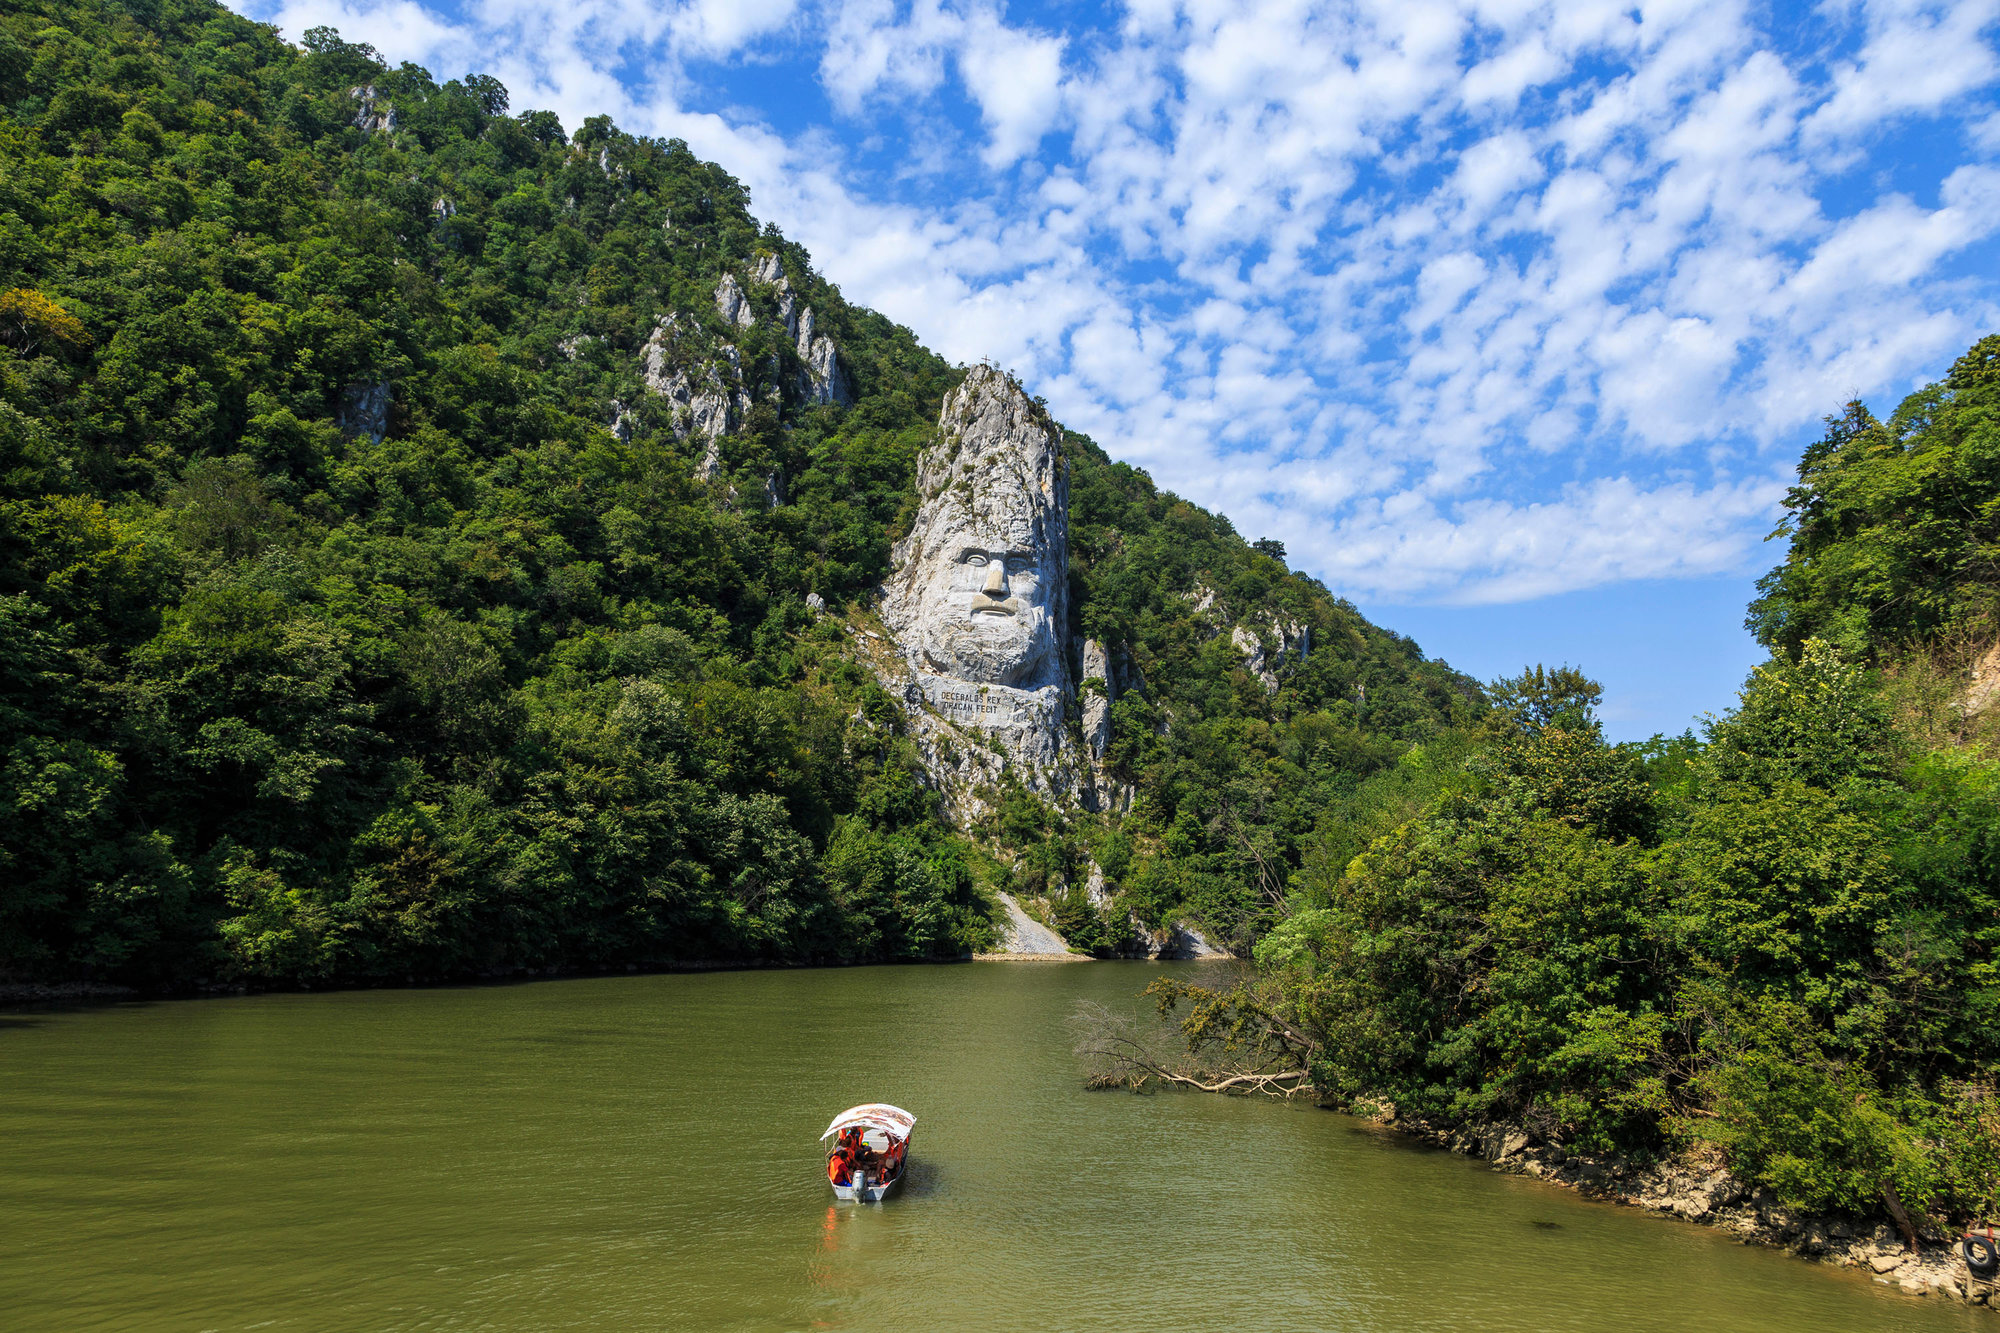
(1228, 1041)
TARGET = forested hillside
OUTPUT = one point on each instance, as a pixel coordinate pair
(366, 612)
(1776, 943)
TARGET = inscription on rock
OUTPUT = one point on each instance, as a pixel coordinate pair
(983, 707)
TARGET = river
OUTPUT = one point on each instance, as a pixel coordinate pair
(639, 1152)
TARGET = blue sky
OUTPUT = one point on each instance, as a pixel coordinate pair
(1509, 319)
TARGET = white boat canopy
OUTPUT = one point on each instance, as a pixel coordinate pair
(891, 1120)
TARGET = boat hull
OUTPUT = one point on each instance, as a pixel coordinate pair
(872, 1192)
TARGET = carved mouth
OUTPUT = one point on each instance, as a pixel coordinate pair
(993, 609)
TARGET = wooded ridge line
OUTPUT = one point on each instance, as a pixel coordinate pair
(435, 543)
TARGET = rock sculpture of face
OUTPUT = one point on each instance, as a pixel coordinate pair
(978, 593)
(985, 616)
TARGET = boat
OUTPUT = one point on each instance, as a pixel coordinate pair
(870, 1151)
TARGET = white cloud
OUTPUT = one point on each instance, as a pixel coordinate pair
(720, 27)
(1463, 299)
(1016, 79)
(1918, 57)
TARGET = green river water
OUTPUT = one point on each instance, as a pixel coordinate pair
(639, 1152)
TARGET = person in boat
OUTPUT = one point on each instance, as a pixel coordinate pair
(846, 1156)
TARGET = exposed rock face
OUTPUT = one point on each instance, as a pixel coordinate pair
(732, 304)
(703, 378)
(1097, 700)
(770, 271)
(978, 603)
(374, 115)
(824, 381)
(364, 410)
(705, 394)
(1982, 688)
(1179, 940)
(788, 310)
(1263, 661)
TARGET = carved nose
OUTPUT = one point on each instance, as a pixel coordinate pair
(996, 578)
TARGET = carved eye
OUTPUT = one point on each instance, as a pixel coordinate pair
(1016, 564)
(975, 559)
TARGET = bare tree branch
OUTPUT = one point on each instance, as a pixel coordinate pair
(1122, 1055)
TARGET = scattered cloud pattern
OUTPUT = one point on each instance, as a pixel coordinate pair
(1465, 300)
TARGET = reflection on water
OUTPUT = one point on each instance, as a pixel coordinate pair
(641, 1153)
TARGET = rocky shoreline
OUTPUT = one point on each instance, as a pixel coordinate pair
(1700, 1191)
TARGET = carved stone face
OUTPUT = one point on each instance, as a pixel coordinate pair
(985, 615)
(980, 586)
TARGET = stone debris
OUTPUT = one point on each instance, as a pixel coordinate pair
(1701, 1191)
(1021, 936)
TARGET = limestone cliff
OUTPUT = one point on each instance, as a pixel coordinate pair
(700, 375)
(977, 607)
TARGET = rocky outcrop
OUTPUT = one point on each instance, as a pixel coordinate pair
(704, 392)
(732, 304)
(622, 421)
(702, 376)
(1097, 694)
(824, 381)
(769, 271)
(363, 409)
(1262, 659)
(374, 115)
(1179, 941)
(1698, 1189)
(977, 608)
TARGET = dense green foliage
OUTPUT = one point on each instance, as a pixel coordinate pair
(1233, 775)
(1780, 939)
(290, 694)
(1895, 525)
